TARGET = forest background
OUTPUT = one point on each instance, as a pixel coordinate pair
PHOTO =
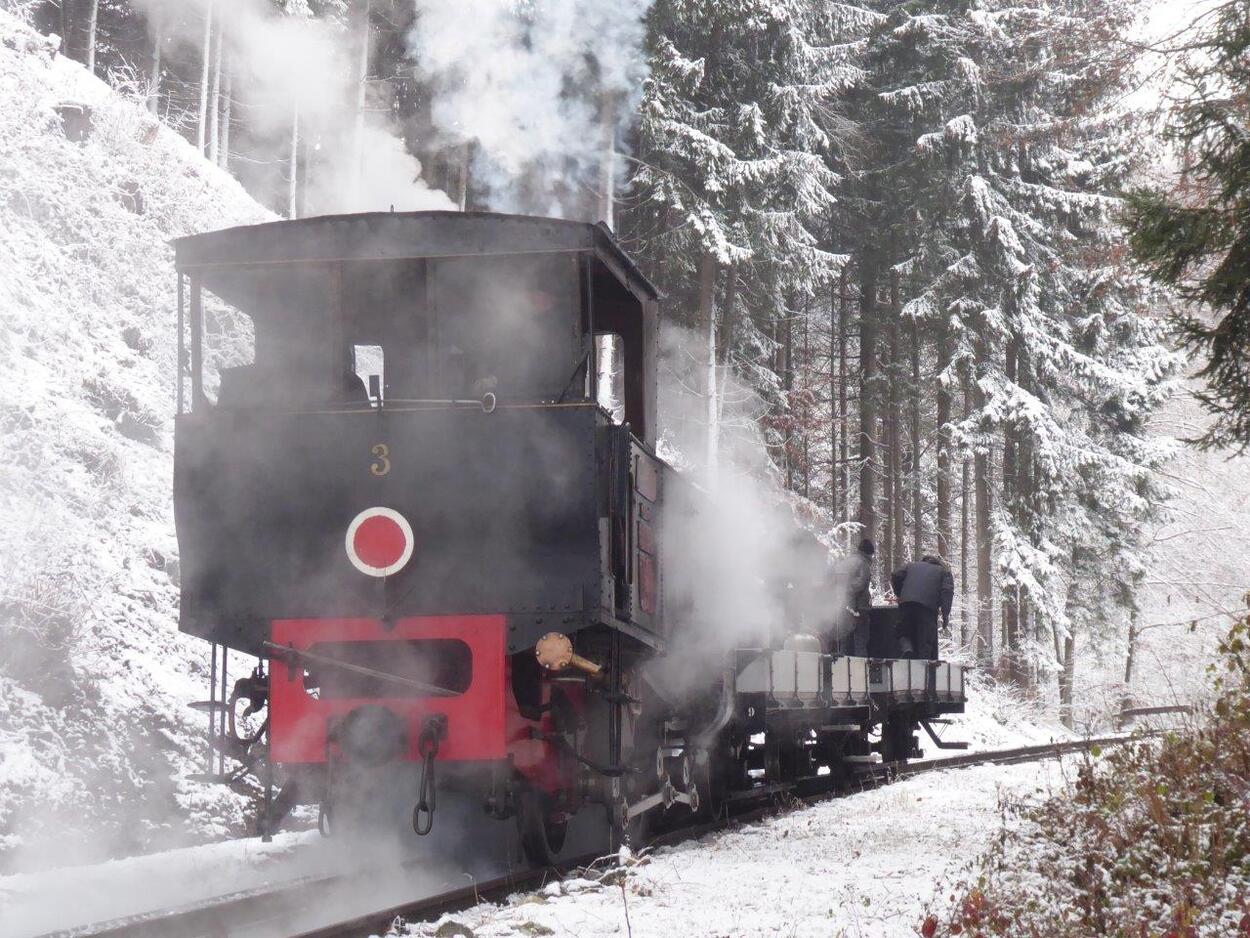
(891, 235)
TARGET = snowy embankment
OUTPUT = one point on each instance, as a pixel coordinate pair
(94, 678)
(871, 864)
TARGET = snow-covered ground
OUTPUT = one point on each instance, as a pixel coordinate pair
(866, 866)
(862, 865)
(32, 903)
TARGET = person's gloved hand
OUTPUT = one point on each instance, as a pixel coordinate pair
(946, 624)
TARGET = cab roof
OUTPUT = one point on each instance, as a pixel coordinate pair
(402, 235)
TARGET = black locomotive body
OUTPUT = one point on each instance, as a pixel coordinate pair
(414, 504)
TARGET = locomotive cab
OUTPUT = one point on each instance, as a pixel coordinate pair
(408, 446)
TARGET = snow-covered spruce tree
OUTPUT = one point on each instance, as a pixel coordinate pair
(1196, 237)
(737, 135)
(996, 156)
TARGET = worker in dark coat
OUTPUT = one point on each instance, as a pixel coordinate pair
(854, 571)
(924, 588)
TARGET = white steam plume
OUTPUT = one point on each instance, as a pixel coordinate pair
(284, 63)
(740, 571)
(533, 84)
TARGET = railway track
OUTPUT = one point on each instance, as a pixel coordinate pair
(279, 911)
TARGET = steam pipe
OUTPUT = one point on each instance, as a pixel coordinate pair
(724, 708)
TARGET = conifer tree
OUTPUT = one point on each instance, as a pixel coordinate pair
(1195, 236)
(737, 139)
(997, 152)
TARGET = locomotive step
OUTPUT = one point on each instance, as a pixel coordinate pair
(231, 748)
(208, 706)
(928, 728)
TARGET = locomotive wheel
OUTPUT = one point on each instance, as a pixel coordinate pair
(711, 773)
(542, 830)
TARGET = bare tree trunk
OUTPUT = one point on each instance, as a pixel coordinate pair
(886, 547)
(67, 26)
(727, 315)
(985, 599)
(725, 344)
(917, 507)
(788, 380)
(844, 422)
(943, 450)
(292, 192)
(867, 400)
(154, 66)
(206, 69)
(1024, 501)
(1010, 597)
(806, 366)
(214, 101)
(93, 18)
(707, 329)
(965, 532)
(834, 470)
(223, 124)
(981, 482)
(1023, 610)
(895, 442)
(1129, 661)
(713, 396)
(1066, 680)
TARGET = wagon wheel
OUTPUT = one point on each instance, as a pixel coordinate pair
(897, 739)
(541, 827)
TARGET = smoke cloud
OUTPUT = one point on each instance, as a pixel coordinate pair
(535, 86)
(289, 71)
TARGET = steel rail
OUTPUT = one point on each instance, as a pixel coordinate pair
(253, 909)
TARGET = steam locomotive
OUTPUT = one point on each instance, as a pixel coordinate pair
(397, 487)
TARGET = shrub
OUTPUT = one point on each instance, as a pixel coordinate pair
(1151, 841)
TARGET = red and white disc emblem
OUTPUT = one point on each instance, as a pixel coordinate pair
(379, 541)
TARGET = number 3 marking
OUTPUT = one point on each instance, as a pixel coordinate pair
(382, 465)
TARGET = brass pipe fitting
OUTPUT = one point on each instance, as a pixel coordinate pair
(554, 652)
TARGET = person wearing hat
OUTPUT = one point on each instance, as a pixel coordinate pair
(854, 571)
